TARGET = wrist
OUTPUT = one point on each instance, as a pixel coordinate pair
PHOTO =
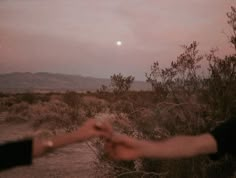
(80, 135)
(147, 149)
(41, 147)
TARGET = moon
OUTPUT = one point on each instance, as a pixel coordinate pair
(119, 43)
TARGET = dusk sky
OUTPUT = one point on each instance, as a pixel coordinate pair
(79, 36)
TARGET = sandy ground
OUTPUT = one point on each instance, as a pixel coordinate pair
(72, 161)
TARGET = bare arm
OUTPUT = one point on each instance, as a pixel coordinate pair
(88, 130)
(21, 152)
(179, 147)
(123, 147)
(43, 146)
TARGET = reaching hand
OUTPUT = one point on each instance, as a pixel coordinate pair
(122, 147)
(94, 128)
(90, 128)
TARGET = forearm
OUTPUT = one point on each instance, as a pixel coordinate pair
(179, 147)
(41, 147)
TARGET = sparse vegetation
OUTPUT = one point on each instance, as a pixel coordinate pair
(120, 83)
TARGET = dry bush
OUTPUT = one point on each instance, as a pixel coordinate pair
(183, 118)
(219, 92)
(72, 99)
(122, 106)
(92, 100)
(180, 76)
(7, 102)
(19, 107)
(16, 112)
(4, 104)
(51, 115)
(15, 118)
(56, 97)
(28, 97)
(121, 84)
(93, 105)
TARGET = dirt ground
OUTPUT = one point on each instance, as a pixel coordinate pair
(72, 161)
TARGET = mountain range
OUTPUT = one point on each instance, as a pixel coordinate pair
(42, 81)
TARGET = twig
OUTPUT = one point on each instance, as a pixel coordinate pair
(91, 148)
(143, 172)
(137, 110)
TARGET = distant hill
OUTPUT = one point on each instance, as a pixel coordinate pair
(22, 82)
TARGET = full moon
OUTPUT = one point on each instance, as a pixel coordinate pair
(119, 43)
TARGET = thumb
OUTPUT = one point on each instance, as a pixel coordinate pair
(104, 129)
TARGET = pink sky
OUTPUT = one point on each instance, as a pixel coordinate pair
(78, 37)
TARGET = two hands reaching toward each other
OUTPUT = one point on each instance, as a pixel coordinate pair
(123, 147)
(120, 147)
(117, 146)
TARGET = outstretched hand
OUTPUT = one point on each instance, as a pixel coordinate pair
(122, 147)
(94, 128)
(89, 129)
(118, 147)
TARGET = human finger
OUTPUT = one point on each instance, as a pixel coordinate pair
(104, 128)
(122, 139)
(110, 149)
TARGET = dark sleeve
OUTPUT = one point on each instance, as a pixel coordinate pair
(15, 154)
(225, 136)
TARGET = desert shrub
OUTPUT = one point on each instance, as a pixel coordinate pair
(93, 105)
(3, 105)
(56, 98)
(73, 100)
(52, 120)
(28, 98)
(19, 107)
(155, 77)
(219, 92)
(183, 118)
(186, 67)
(44, 97)
(102, 90)
(122, 106)
(8, 101)
(15, 118)
(232, 23)
(51, 115)
(145, 122)
(121, 84)
(180, 76)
